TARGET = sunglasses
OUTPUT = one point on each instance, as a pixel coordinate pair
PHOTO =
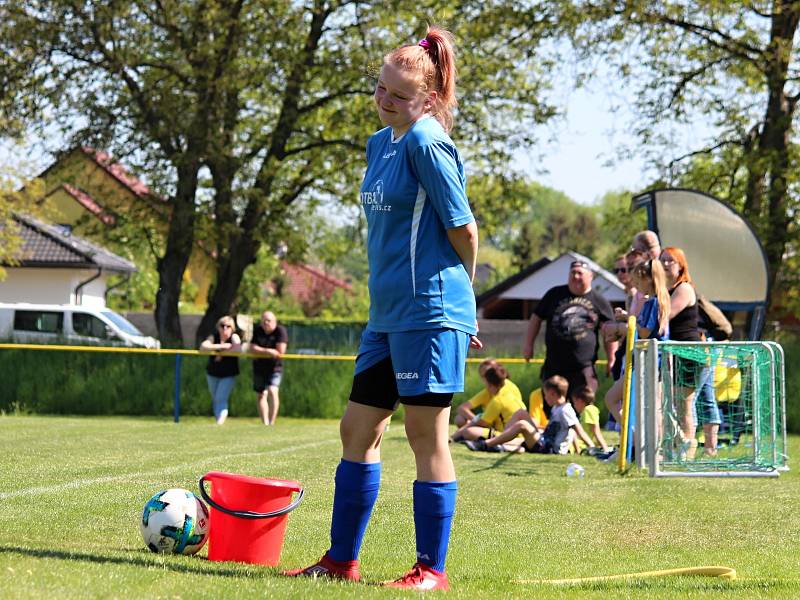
(620, 270)
(667, 261)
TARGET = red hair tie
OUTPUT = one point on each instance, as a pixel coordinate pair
(425, 43)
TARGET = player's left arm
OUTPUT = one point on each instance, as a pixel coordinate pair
(464, 240)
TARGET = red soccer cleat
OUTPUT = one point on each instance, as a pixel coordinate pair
(346, 570)
(421, 577)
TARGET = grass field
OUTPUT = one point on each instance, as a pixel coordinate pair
(72, 491)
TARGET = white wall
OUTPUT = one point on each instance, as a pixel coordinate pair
(52, 286)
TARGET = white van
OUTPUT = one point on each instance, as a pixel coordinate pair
(69, 324)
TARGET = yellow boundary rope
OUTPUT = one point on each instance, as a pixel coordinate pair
(174, 351)
(721, 572)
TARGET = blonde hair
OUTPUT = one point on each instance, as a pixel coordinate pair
(653, 271)
(433, 58)
(226, 320)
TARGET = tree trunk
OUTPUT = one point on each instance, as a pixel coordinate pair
(776, 132)
(230, 269)
(172, 265)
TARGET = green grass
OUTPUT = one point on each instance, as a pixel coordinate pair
(72, 490)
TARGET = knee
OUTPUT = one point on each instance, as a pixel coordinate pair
(355, 436)
(523, 427)
(424, 439)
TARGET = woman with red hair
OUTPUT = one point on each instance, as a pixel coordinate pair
(683, 324)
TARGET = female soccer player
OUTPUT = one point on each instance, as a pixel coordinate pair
(422, 246)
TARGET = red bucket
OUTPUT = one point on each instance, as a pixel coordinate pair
(248, 516)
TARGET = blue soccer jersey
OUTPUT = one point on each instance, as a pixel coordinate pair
(414, 190)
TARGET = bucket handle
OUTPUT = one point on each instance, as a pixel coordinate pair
(248, 514)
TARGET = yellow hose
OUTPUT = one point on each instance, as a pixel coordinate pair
(722, 572)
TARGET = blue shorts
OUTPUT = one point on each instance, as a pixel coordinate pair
(423, 361)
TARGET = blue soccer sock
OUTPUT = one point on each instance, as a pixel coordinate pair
(434, 506)
(356, 489)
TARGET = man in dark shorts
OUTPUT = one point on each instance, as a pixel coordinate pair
(269, 339)
(574, 314)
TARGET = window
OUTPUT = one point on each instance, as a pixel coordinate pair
(88, 325)
(39, 321)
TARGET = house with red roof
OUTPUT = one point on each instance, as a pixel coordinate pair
(311, 287)
(88, 193)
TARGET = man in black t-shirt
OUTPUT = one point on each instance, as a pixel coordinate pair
(269, 339)
(574, 314)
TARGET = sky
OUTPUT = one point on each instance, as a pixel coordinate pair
(575, 162)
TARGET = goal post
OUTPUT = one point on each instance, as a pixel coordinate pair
(688, 393)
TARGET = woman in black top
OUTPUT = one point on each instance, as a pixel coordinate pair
(221, 371)
(683, 328)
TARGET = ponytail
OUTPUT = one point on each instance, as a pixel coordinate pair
(662, 294)
(434, 59)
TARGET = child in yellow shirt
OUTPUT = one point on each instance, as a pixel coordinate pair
(583, 401)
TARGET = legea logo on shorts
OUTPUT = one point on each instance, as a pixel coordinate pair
(406, 375)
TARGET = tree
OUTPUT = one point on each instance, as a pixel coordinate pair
(617, 226)
(727, 66)
(268, 99)
(539, 221)
(16, 195)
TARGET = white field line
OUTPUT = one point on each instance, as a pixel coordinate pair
(78, 483)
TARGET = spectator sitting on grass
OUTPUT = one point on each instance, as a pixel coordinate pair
(536, 408)
(556, 437)
(506, 400)
(583, 401)
(469, 411)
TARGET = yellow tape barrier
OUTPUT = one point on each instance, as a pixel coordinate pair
(174, 351)
(721, 572)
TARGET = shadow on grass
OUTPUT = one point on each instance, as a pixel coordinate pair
(205, 566)
(515, 469)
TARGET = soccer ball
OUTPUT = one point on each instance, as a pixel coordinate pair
(174, 521)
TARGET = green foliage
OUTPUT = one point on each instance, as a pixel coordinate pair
(352, 303)
(713, 88)
(249, 115)
(791, 347)
(14, 198)
(501, 262)
(531, 221)
(617, 226)
(252, 296)
(522, 221)
(144, 384)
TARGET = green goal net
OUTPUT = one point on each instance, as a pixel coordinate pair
(710, 408)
